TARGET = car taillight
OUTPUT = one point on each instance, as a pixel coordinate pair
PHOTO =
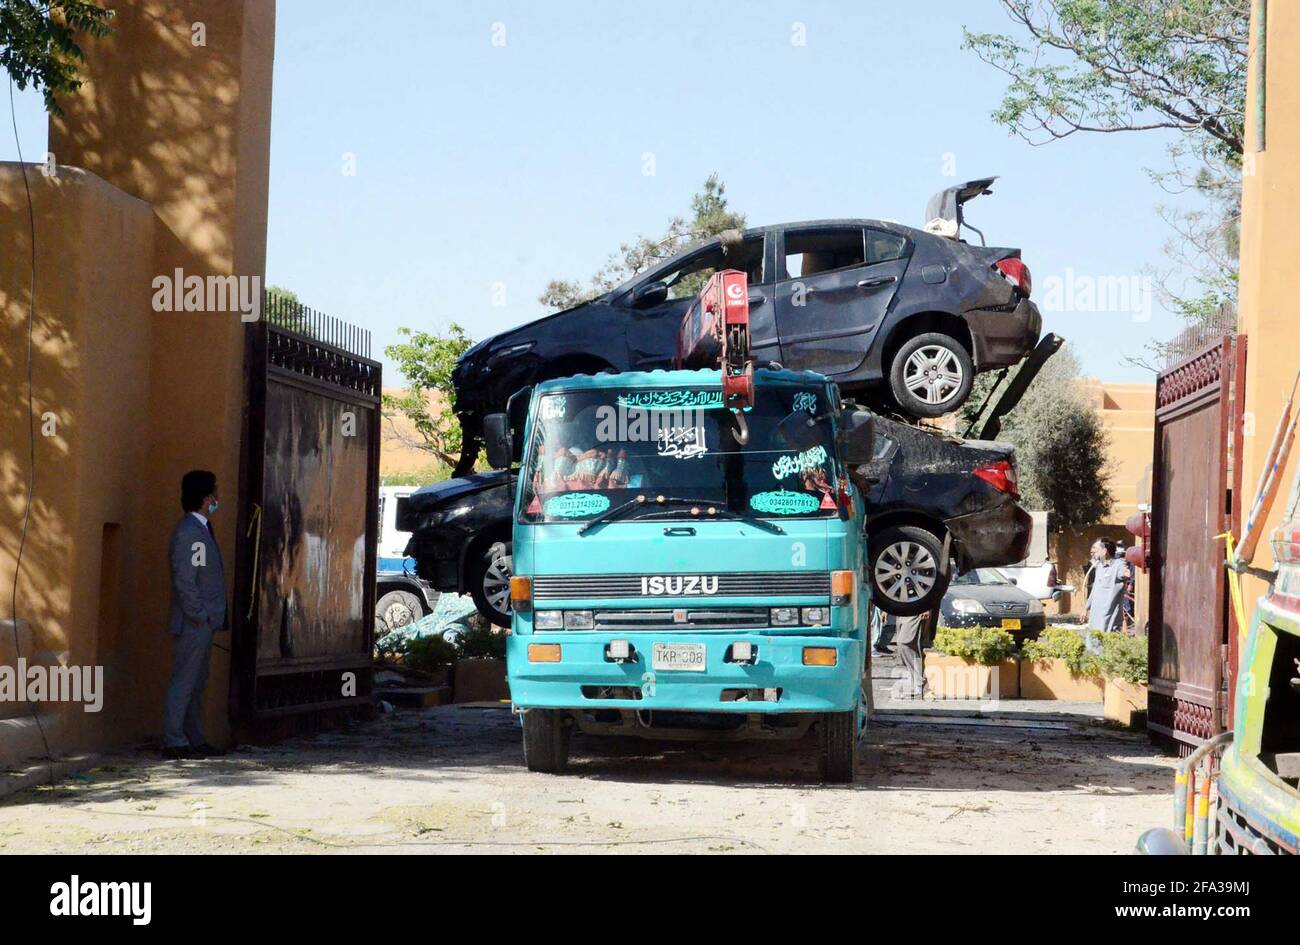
(1001, 476)
(1017, 273)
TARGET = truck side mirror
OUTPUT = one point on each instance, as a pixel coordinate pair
(856, 440)
(497, 440)
(649, 293)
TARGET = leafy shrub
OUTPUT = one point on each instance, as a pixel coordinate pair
(1123, 657)
(1062, 643)
(987, 646)
(423, 654)
(482, 640)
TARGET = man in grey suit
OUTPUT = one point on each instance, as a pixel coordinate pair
(198, 611)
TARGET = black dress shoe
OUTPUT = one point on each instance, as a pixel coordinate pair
(178, 752)
(207, 751)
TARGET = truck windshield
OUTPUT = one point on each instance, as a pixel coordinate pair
(594, 449)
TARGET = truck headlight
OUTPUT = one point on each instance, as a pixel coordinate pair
(814, 616)
(579, 620)
(784, 616)
(968, 605)
(548, 620)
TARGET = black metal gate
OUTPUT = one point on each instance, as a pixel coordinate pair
(308, 529)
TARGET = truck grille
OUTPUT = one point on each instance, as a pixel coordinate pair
(734, 584)
(1237, 836)
(717, 618)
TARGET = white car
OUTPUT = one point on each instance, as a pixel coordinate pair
(1038, 580)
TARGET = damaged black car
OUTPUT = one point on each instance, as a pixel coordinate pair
(902, 318)
(937, 504)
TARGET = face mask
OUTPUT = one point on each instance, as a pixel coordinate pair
(212, 506)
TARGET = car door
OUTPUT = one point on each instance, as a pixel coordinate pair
(652, 330)
(834, 285)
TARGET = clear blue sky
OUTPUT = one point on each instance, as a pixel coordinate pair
(479, 164)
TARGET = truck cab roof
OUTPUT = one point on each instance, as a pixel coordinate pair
(663, 378)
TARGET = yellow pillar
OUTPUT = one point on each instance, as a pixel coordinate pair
(1270, 246)
(176, 111)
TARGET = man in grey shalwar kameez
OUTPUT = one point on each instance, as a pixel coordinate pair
(909, 635)
(1105, 610)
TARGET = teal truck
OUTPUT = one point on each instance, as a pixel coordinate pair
(684, 568)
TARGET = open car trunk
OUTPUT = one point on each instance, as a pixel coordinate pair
(943, 214)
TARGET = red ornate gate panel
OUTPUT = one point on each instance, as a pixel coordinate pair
(1195, 498)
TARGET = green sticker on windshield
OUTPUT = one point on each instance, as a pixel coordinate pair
(575, 505)
(685, 399)
(784, 503)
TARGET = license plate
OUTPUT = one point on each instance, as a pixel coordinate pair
(688, 657)
(1010, 623)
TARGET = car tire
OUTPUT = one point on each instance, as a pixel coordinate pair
(837, 743)
(397, 609)
(906, 570)
(931, 375)
(489, 582)
(546, 741)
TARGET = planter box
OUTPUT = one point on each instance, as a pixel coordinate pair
(1052, 679)
(951, 677)
(480, 680)
(1125, 702)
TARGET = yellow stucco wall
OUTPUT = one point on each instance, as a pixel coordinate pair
(177, 136)
(89, 413)
(1270, 245)
(1128, 413)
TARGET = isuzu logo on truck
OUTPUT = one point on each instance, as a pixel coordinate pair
(679, 585)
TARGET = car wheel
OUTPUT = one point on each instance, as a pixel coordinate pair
(837, 744)
(904, 566)
(489, 583)
(546, 741)
(931, 375)
(397, 609)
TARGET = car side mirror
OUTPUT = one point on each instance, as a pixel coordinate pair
(497, 440)
(650, 293)
(856, 439)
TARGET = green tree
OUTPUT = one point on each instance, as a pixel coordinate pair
(426, 360)
(1112, 66)
(278, 295)
(710, 215)
(284, 309)
(1059, 440)
(38, 46)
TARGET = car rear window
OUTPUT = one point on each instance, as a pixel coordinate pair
(810, 252)
(884, 247)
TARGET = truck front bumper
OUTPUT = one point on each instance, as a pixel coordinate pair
(777, 682)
